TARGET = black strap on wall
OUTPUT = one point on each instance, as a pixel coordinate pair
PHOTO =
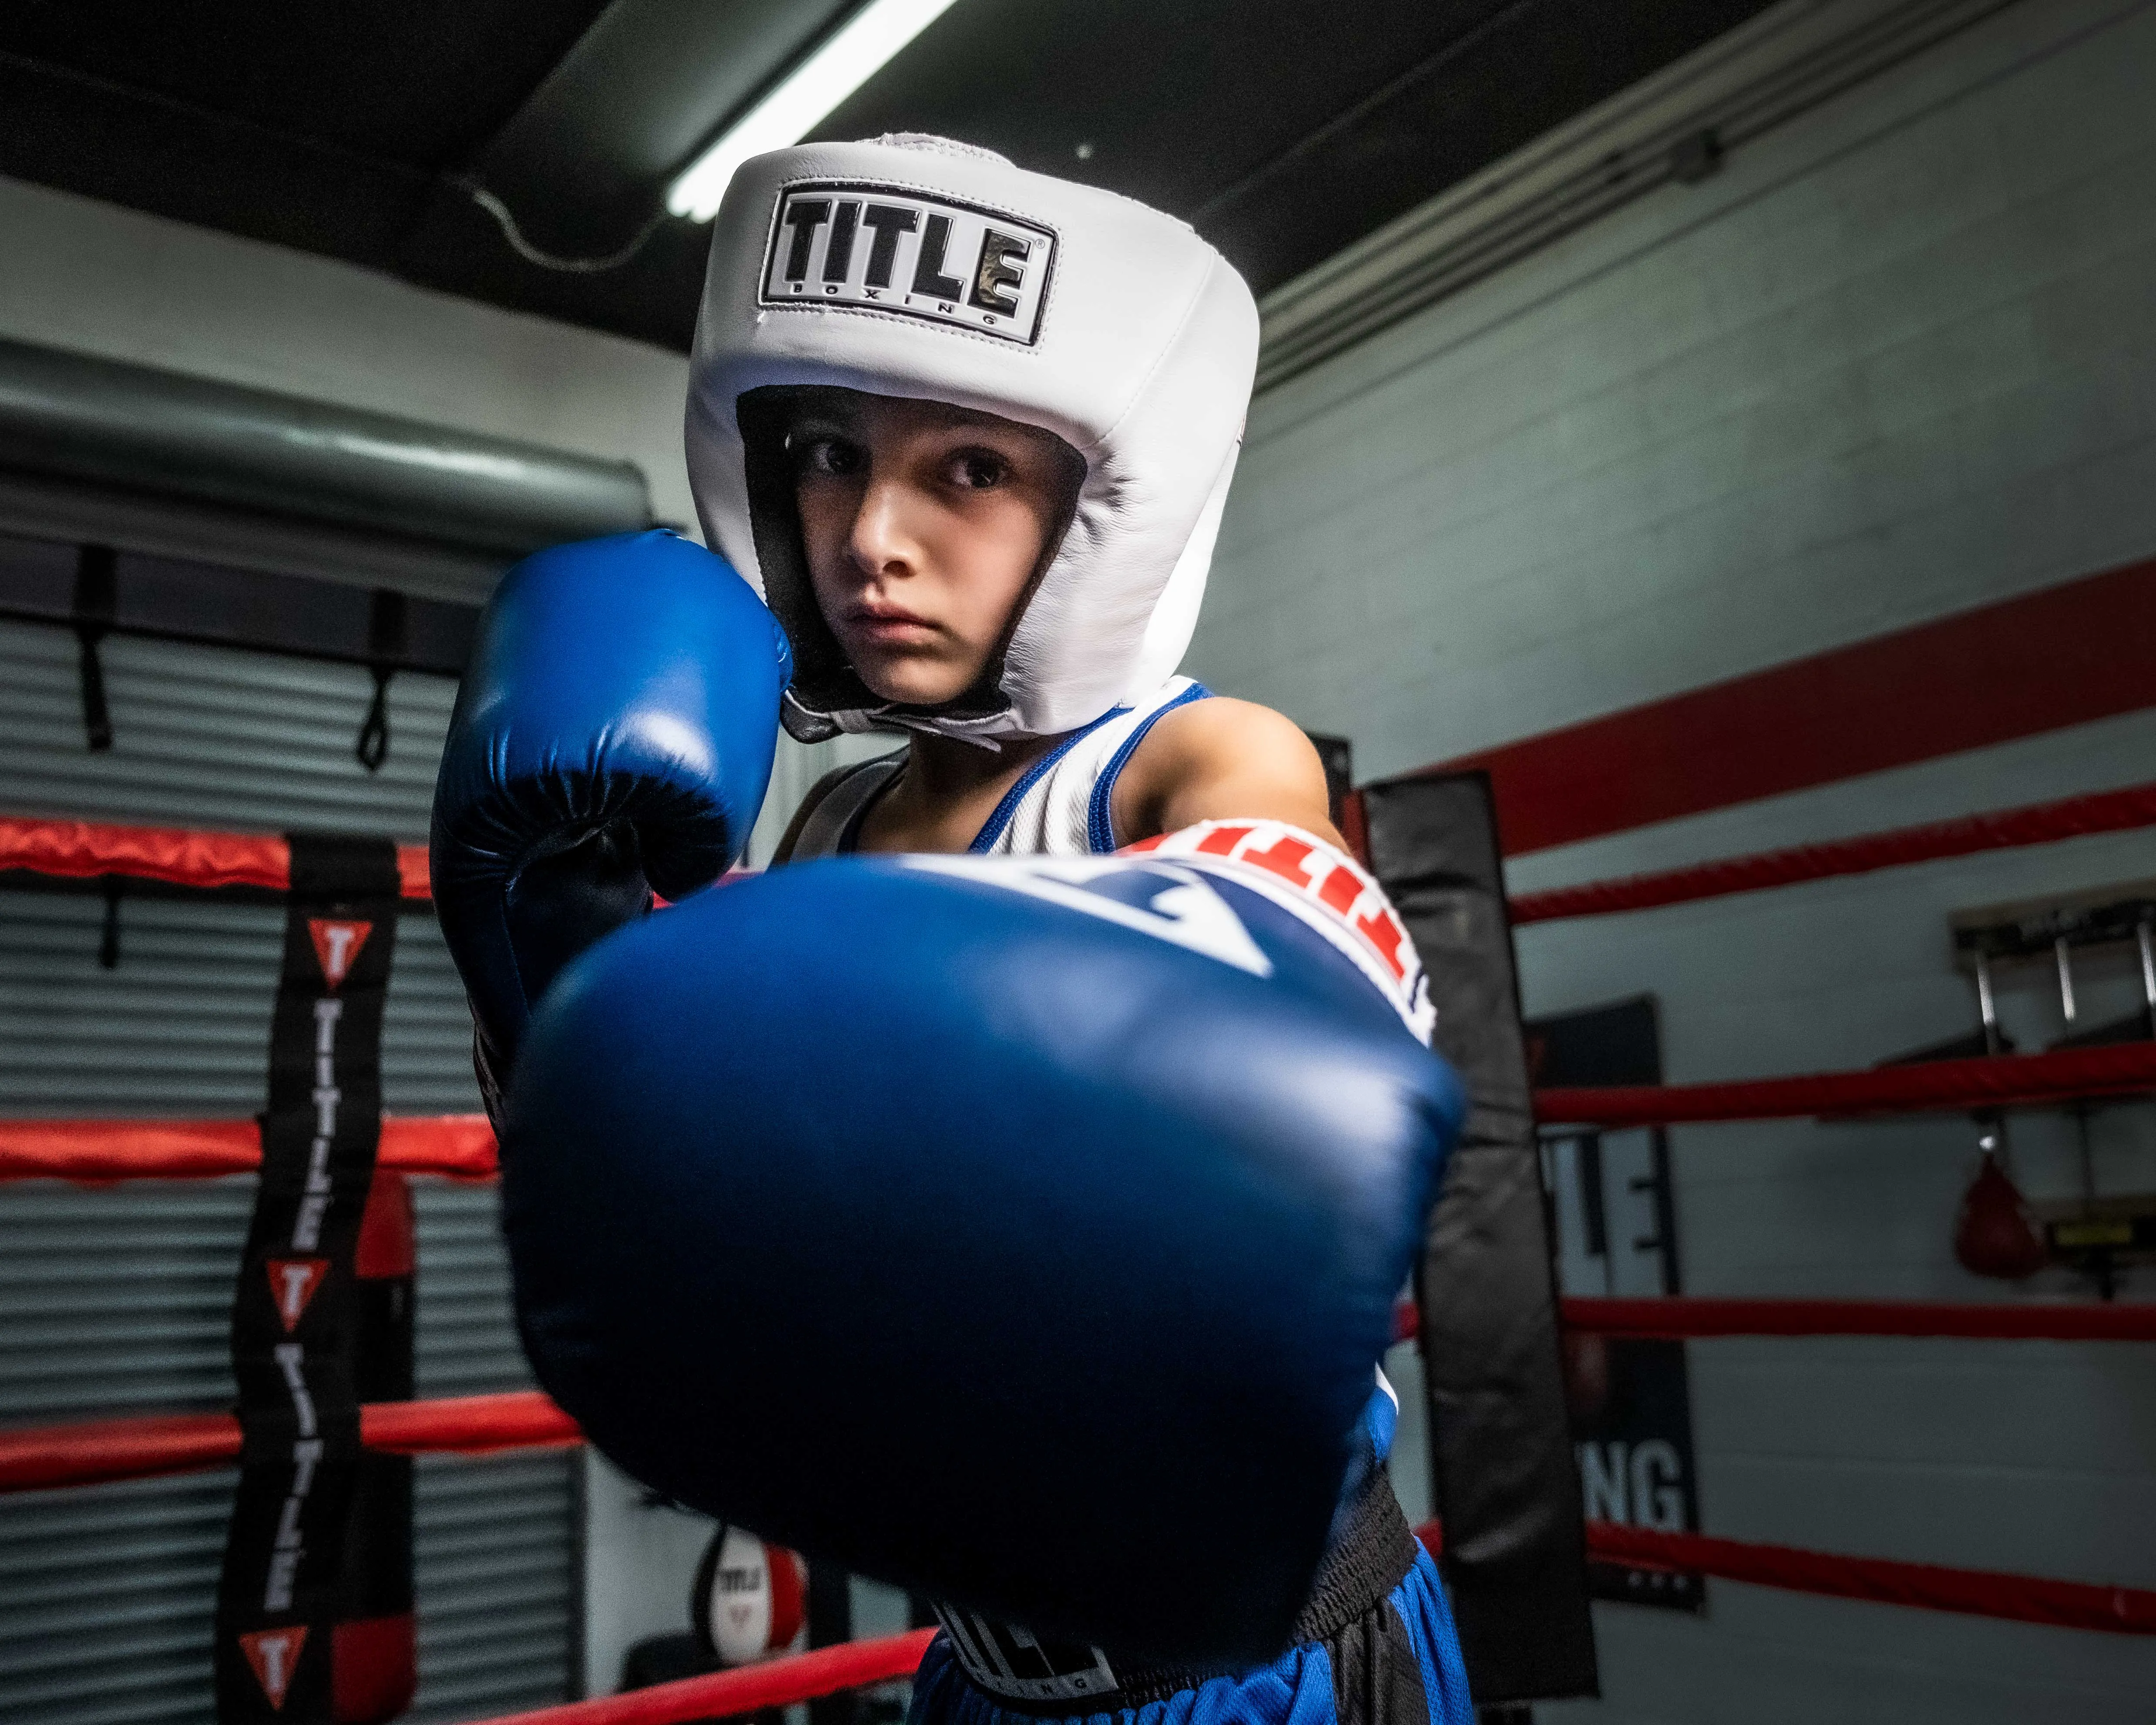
(95, 591)
(296, 1312)
(1506, 1486)
(92, 606)
(385, 651)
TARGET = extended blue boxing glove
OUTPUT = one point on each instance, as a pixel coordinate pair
(1021, 1231)
(612, 737)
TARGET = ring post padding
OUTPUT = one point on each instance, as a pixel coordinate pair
(285, 1586)
(1501, 1452)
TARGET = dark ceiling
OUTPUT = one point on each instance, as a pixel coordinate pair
(1283, 129)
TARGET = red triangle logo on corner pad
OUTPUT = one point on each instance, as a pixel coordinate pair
(274, 1653)
(292, 1285)
(337, 944)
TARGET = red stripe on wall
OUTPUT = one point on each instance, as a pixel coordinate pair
(2085, 649)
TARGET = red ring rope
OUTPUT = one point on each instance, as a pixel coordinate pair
(1689, 1317)
(2085, 1321)
(93, 1452)
(2037, 823)
(83, 850)
(1931, 1587)
(458, 1145)
(40, 1457)
(467, 1425)
(775, 1683)
(1998, 1082)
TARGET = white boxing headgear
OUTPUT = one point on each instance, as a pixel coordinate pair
(916, 267)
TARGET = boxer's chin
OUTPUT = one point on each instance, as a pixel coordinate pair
(912, 678)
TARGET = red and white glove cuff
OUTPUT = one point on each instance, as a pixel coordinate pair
(1323, 887)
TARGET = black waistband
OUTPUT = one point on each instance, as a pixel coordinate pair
(1370, 1554)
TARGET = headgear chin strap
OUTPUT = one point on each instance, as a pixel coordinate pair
(919, 267)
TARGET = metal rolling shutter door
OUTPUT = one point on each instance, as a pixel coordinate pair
(115, 1300)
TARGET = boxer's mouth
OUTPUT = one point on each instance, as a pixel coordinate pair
(890, 622)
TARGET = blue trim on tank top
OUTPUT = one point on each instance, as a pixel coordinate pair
(1100, 822)
(993, 829)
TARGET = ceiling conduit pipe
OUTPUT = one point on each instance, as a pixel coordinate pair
(71, 416)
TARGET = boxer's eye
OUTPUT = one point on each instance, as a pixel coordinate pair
(980, 469)
(835, 456)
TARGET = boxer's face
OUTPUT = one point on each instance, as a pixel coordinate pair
(923, 524)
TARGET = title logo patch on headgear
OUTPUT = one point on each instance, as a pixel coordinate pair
(838, 244)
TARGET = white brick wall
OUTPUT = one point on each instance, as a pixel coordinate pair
(1895, 360)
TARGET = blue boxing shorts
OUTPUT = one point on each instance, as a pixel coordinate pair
(1374, 1645)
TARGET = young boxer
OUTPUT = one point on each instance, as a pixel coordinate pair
(1003, 557)
(1054, 1252)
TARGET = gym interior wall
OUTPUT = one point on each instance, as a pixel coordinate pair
(1741, 442)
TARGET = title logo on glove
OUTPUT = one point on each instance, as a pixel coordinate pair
(1170, 904)
(838, 243)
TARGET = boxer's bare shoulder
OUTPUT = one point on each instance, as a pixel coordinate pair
(1218, 759)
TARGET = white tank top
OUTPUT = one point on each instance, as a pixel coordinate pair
(1060, 807)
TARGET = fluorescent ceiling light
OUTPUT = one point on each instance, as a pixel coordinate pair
(797, 104)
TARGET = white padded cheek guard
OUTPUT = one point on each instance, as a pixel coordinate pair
(949, 275)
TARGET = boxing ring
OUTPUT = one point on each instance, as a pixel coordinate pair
(461, 1147)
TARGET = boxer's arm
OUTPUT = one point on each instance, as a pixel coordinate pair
(1220, 759)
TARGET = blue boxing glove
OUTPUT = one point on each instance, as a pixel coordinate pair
(1022, 1231)
(612, 736)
